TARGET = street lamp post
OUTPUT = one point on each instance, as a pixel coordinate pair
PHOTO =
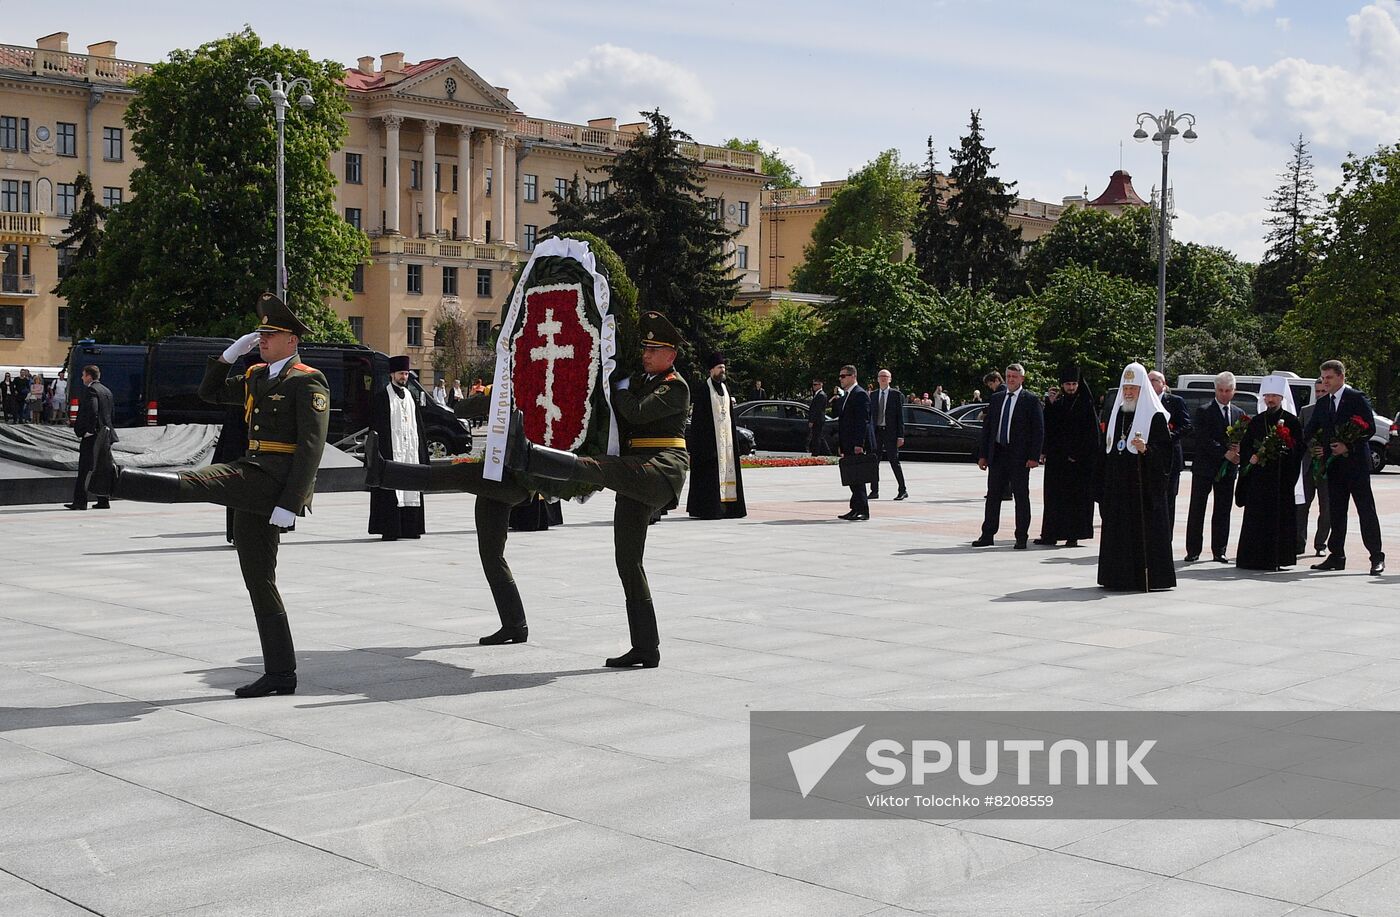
(1166, 129)
(280, 90)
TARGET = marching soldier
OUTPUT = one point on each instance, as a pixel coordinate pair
(648, 476)
(287, 407)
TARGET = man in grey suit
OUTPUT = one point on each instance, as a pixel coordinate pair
(94, 416)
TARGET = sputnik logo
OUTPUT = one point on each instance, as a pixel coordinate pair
(811, 762)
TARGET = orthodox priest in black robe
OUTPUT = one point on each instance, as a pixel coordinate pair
(1269, 487)
(716, 481)
(1135, 552)
(395, 417)
(1071, 449)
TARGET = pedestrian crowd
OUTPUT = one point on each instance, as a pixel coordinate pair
(31, 398)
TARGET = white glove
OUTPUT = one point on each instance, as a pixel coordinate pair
(624, 384)
(239, 347)
(282, 518)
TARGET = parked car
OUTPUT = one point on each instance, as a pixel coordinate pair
(781, 426)
(1392, 449)
(970, 414)
(776, 426)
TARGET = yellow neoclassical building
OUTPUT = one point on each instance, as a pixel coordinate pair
(440, 169)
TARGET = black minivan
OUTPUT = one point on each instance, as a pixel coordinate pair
(123, 369)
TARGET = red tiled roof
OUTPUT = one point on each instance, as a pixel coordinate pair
(1119, 191)
(356, 81)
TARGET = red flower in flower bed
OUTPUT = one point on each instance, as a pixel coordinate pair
(807, 461)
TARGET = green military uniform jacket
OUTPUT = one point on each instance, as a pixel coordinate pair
(652, 415)
(287, 418)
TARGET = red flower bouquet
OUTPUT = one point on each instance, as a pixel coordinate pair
(1278, 440)
(1352, 431)
(1234, 435)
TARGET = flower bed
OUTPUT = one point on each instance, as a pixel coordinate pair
(750, 461)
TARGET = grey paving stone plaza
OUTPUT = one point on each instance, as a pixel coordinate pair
(415, 773)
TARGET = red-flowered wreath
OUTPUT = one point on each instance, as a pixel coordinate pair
(554, 365)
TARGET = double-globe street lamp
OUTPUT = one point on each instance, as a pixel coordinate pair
(1166, 129)
(280, 90)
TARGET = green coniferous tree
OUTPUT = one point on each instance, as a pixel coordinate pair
(81, 241)
(670, 239)
(570, 210)
(1292, 208)
(983, 246)
(931, 227)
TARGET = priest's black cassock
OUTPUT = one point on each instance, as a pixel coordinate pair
(1135, 541)
(386, 517)
(705, 500)
(1072, 446)
(1269, 534)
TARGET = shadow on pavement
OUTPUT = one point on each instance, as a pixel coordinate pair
(1062, 594)
(396, 676)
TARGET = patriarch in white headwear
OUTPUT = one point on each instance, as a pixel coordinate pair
(1278, 386)
(1135, 395)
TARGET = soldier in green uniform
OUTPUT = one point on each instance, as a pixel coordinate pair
(648, 476)
(287, 407)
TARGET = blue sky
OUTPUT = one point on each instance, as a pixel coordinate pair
(833, 83)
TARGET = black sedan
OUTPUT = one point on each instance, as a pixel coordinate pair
(969, 414)
(781, 426)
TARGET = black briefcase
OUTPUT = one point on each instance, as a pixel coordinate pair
(860, 469)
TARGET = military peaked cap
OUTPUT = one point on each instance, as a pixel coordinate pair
(657, 331)
(275, 315)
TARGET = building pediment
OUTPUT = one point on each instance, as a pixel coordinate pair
(452, 80)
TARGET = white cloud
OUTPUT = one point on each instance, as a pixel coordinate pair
(1252, 6)
(1236, 231)
(612, 81)
(1160, 12)
(1334, 105)
(1283, 23)
(802, 162)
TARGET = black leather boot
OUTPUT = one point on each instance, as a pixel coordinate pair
(647, 659)
(542, 461)
(271, 683)
(641, 627)
(512, 612)
(145, 486)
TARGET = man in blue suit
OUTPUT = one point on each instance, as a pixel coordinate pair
(857, 436)
(1349, 477)
(1013, 435)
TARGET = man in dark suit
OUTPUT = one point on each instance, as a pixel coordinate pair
(1013, 436)
(1178, 425)
(856, 434)
(1310, 489)
(816, 419)
(887, 414)
(1349, 477)
(1212, 450)
(94, 415)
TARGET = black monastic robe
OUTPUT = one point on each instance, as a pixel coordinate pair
(1269, 534)
(703, 501)
(1135, 552)
(1072, 446)
(386, 517)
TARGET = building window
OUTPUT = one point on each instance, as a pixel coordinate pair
(14, 196)
(715, 206)
(64, 332)
(531, 234)
(9, 133)
(420, 225)
(67, 198)
(454, 229)
(112, 144)
(561, 187)
(532, 188)
(415, 278)
(384, 172)
(415, 174)
(66, 257)
(597, 191)
(357, 279)
(111, 197)
(743, 213)
(483, 281)
(353, 216)
(11, 321)
(67, 139)
(741, 257)
(352, 169)
(24, 135)
(488, 182)
(415, 331)
(437, 176)
(357, 327)
(449, 281)
(483, 333)
(488, 231)
(15, 265)
(454, 179)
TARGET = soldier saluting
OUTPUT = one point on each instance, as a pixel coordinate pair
(648, 476)
(287, 408)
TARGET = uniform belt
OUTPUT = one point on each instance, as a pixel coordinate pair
(265, 445)
(657, 442)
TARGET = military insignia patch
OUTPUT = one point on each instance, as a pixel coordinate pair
(661, 390)
(319, 402)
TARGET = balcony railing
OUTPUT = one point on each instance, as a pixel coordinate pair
(613, 140)
(801, 195)
(441, 248)
(27, 223)
(20, 284)
(39, 62)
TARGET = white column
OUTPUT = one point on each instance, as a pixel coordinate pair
(391, 182)
(430, 220)
(498, 191)
(509, 233)
(464, 181)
